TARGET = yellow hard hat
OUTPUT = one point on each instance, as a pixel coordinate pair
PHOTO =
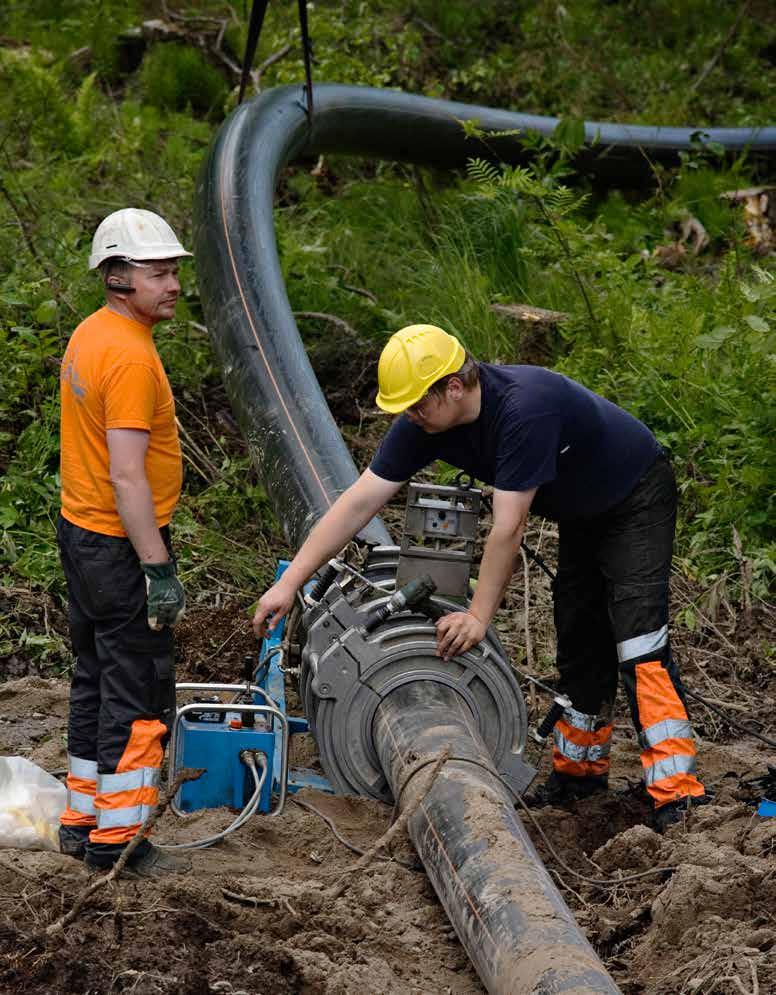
(413, 359)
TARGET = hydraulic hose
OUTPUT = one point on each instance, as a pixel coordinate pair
(297, 448)
(250, 808)
(508, 914)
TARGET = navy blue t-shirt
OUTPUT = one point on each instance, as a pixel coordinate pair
(538, 429)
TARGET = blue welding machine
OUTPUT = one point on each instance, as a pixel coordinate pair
(214, 744)
(211, 734)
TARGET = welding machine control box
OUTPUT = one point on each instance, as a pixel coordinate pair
(213, 741)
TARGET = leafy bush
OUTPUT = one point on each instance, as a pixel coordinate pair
(174, 77)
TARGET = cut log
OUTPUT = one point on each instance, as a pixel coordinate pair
(530, 314)
(759, 216)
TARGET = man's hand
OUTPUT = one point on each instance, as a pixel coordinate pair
(457, 633)
(166, 598)
(273, 605)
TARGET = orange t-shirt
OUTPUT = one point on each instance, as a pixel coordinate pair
(112, 377)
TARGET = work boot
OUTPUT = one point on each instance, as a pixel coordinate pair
(559, 789)
(675, 812)
(147, 861)
(73, 840)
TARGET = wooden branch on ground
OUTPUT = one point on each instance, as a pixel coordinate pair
(529, 657)
(83, 897)
(207, 34)
(332, 319)
(255, 901)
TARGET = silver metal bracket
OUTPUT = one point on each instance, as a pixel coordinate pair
(440, 531)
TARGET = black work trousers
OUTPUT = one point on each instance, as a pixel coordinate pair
(122, 697)
(611, 588)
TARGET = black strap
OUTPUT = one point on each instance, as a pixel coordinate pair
(307, 52)
(258, 10)
(533, 555)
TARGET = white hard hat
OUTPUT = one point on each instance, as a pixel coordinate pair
(134, 234)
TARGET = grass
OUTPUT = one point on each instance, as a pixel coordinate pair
(690, 351)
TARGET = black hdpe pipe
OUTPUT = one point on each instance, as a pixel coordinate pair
(507, 913)
(292, 436)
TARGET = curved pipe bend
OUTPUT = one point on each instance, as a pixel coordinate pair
(292, 436)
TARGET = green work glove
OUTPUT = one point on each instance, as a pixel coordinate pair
(166, 598)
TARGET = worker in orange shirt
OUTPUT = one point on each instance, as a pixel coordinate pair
(121, 478)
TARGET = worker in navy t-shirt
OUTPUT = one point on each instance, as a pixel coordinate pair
(545, 444)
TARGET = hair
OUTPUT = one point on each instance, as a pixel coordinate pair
(468, 374)
(115, 266)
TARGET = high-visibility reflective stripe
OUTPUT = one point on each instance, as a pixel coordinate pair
(667, 729)
(569, 749)
(580, 720)
(576, 752)
(128, 799)
(78, 767)
(131, 780)
(678, 763)
(79, 802)
(72, 818)
(108, 818)
(651, 642)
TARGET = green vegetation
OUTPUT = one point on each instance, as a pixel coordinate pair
(688, 349)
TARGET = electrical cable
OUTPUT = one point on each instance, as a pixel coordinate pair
(250, 807)
(352, 846)
(342, 565)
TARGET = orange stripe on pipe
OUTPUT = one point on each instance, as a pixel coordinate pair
(262, 354)
(144, 747)
(127, 799)
(656, 696)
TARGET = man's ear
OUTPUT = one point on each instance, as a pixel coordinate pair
(455, 388)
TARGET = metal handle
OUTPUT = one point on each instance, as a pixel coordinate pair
(557, 709)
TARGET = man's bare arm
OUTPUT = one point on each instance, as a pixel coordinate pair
(349, 513)
(127, 448)
(459, 631)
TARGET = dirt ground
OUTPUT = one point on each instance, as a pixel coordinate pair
(706, 924)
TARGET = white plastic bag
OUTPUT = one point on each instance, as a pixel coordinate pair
(31, 802)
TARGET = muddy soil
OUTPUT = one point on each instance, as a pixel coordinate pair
(706, 923)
